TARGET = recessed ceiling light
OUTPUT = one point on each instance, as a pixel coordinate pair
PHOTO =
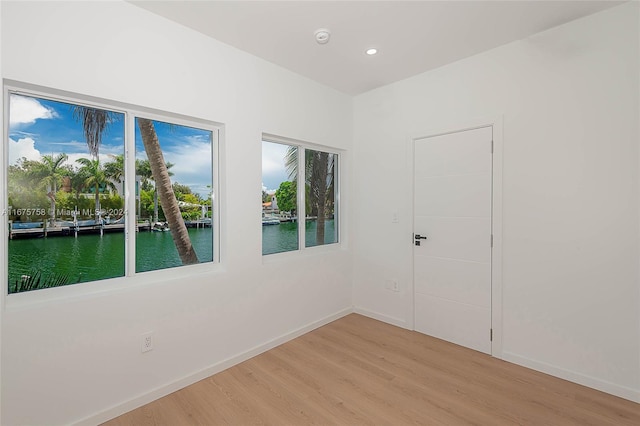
(322, 36)
(371, 51)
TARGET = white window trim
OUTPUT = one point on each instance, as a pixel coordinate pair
(131, 278)
(302, 249)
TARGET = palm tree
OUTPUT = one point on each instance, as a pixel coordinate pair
(51, 171)
(319, 183)
(318, 189)
(115, 169)
(96, 177)
(95, 122)
(165, 191)
(77, 178)
(143, 169)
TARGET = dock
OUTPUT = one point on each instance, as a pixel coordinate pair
(57, 231)
(40, 230)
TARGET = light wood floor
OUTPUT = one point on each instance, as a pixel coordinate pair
(361, 371)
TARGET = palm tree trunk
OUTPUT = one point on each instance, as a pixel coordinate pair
(319, 178)
(165, 191)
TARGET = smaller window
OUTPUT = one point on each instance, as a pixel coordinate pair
(285, 202)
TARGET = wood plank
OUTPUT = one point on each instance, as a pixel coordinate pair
(359, 371)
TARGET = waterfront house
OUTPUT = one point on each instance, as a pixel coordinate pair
(270, 207)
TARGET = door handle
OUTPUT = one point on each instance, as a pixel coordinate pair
(419, 237)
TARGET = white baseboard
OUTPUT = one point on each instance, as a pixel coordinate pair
(381, 317)
(165, 390)
(572, 376)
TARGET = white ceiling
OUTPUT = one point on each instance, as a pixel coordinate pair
(411, 36)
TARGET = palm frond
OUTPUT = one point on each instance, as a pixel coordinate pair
(291, 163)
(94, 123)
(37, 281)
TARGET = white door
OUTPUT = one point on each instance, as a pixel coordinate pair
(452, 210)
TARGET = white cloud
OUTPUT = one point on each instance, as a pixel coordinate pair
(273, 157)
(273, 165)
(69, 146)
(192, 165)
(24, 147)
(24, 110)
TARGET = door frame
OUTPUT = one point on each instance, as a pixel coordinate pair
(496, 123)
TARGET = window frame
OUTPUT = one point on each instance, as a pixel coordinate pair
(301, 195)
(130, 277)
(215, 224)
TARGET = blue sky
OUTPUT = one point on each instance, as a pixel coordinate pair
(43, 127)
(189, 149)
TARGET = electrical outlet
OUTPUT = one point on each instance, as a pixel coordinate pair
(392, 285)
(147, 342)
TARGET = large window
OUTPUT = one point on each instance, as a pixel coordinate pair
(78, 186)
(286, 204)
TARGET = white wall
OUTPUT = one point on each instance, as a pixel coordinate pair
(569, 102)
(569, 98)
(71, 357)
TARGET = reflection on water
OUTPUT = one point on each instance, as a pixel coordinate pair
(279, 238)
(156, 250)
(91, 257)
(284, 237)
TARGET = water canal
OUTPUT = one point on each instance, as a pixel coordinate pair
(92, 257)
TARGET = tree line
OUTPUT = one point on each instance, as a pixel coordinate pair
(52, 185)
